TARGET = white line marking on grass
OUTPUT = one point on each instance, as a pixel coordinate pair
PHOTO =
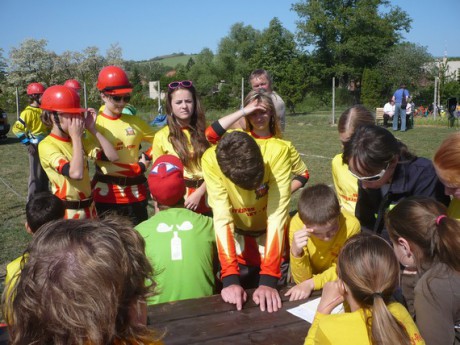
(11, 189)
(316, 156)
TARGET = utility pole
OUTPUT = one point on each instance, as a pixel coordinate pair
(435, 106)
(333, 100)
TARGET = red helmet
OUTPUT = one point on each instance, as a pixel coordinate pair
(74, 84)
(112, 80)
(62, 99)
(35, 88)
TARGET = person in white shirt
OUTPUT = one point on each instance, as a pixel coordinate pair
(388, 111)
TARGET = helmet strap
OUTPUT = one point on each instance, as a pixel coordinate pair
(57, 122)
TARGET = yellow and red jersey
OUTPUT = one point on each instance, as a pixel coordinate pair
(215, 131)
(125, 133)
(345, 184)
(55, 153)
(29, 128)
(162, 146)
(262, 211)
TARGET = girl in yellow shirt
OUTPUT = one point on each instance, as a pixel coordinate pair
(184, 137)
(368, 273)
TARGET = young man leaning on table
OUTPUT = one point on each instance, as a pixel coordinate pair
(249, 191)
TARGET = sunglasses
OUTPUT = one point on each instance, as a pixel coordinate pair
(370, 178)
(126, 99)
(183, 83)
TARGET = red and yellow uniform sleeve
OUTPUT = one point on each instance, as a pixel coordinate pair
(299, 169)
(319, 260)
(214, 132)
(263, 210)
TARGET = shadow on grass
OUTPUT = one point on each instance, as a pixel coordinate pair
(9, 141)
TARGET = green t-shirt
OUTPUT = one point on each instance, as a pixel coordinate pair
(180, 245)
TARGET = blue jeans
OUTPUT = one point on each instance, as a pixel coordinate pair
(399, 113)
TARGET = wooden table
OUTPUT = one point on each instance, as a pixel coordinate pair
(210, 320)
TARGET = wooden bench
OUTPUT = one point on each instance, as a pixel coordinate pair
(379, 116)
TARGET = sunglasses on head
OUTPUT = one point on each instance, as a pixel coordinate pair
(183, 83)
(370, 178)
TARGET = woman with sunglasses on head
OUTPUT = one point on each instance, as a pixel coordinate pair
(120, 186)
(184, 137)
(262, 123)
(63, 152)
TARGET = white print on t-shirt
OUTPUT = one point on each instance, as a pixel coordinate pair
(176, 247)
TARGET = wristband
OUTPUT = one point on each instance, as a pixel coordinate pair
(242, 110)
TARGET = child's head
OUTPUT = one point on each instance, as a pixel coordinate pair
(59, 104)
(42, 208)
(422, 233)
(263, 98)
(115, 89)
(319, 210)
(447, 164)
(35, 92)
(81, 284)
(184, 110)
(370, 273)
(352, 118)
(166, 181)
(240, 160)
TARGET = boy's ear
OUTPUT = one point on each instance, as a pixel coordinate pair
(28, 229)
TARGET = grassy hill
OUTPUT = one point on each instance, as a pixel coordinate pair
(173, 61)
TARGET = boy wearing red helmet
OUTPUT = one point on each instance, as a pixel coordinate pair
(30, 130)
(62, 153)
(120, 186)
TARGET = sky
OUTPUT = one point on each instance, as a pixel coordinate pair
(145, 29)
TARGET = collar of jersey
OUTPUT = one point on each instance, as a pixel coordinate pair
(67, 140)
(111, 117)
(260, 137)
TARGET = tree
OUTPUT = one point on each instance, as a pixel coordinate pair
(405, 63)
(114, 55)
(371, 88)
(31, 62)
(348, 35)
(234, 53)
(276, 52)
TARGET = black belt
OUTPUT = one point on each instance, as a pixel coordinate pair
(250, 233)
(78, 204)
(193, 183)
(120, 180)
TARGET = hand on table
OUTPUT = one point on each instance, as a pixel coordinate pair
(267, 298)
(300, 291)
(234, 294)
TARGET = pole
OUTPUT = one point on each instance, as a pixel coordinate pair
(333, 100)
(435, 107)
(242, 92)
(85, 98)
(17, 104)
(159, 99)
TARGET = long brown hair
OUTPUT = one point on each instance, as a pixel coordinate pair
(197, 127)
(79, 284)
(370, 270)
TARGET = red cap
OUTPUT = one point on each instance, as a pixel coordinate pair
(166, 180)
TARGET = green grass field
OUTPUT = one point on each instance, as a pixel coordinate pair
(173, 61)
(312, 134)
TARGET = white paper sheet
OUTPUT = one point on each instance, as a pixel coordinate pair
(307, 310)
